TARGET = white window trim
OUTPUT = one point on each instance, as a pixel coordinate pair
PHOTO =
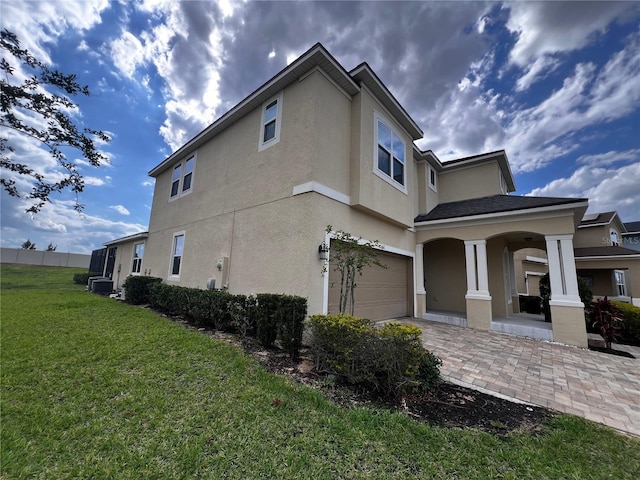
(613, 233)
(182, 164)
(262, 145)
(133, 257)
(433, 186)
(389, 179)
(170, 275)
(623, 284)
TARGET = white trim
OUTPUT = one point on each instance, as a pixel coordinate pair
(263, 145)
(133, 257)
(534, 274)
(608, 257)
(322, 190)
(171, 276)
(402, 187)
(326, 75)
(566, 303)
(533, 259)
(433, 186)
(181, 165)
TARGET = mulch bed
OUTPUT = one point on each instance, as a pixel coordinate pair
(449, 405)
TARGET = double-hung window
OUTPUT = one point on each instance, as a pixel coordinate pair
(138, 252)
(270, 122)
(621, 288)
(182, 177)
(176, 254)
(389, 161)
(614, 237)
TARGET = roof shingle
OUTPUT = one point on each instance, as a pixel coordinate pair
(491, 204)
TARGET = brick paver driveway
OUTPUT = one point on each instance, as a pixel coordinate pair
(597, 386)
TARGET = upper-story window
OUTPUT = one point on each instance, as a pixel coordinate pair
(270, 122)
(389, 162)
(614, 238)
(433, 179)
(138, 252)
(182, 177)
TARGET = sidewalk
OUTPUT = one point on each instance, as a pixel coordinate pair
(601, 387)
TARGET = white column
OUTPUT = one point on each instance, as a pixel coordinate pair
(562, 270)
(419, 269)
(477, 271)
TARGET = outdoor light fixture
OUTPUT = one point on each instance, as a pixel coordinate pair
(323, 251)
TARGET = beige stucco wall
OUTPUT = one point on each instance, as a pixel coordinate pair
(522, 265)
(472, 182)
(445, 275)
(368, 191)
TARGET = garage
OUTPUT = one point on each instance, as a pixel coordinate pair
(380, 293)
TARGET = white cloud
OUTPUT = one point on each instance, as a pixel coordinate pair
(120, 209)
(60, 224)
(606, 188)
(610, 157)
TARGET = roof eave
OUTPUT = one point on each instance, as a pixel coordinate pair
(129, 238)
(366, 76)
(315, 56)
(575, 206)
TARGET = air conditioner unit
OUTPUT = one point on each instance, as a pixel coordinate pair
(211, 283)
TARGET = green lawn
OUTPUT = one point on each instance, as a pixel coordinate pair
(93, 388)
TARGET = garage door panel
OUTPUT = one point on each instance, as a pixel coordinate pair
(380, 293)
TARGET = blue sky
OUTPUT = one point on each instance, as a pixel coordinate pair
(555, 84)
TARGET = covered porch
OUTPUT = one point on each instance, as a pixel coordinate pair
(519, 324)
(466, 269)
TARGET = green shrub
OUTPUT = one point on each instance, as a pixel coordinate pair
(290, 317)
(137, 288)
(267, 320)
(631, 329)
(83, 278)
(389, 360)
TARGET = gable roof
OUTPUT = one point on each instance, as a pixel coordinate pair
(632, 227)
(493, 204)
(591, 220)
(129, 238)
(316, 57)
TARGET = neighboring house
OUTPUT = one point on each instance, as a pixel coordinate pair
(603, 259)
(120, 258)
(530, 265)
(631, 237)
(245, 203)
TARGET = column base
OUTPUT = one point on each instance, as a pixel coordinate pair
(421, 304)
(568, 324)
(479, 312)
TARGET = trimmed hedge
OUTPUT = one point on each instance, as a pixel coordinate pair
(389, 360)
(267, 317)
(137, 288)
(83, 278)
(631, 322)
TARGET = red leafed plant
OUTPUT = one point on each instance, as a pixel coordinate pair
(607, 318)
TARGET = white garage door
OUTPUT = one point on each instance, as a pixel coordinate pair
(380, 293)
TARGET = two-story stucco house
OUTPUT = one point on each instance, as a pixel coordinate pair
(246, 202)
(604, 260)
